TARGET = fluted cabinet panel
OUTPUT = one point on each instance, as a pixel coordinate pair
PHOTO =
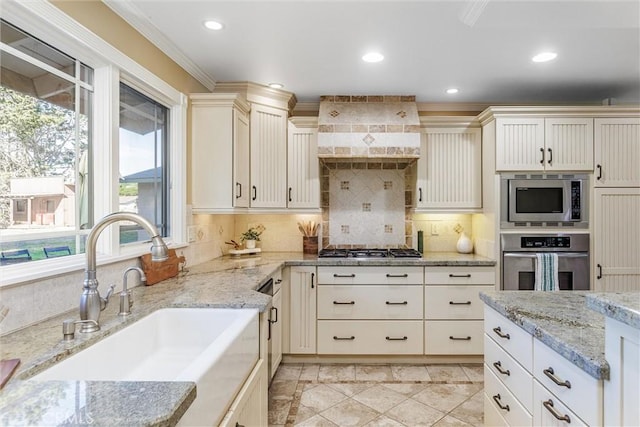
(303, 169)
(268, 157)
(569, 144)
(616, 256)
(518, 144)
(302, 310)
(617, 152)
(450, 169)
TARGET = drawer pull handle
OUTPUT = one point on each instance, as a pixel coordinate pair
(459, 303)
(496, 399)
(344, 303)
(549, 405)
(351, 338)
(398, 275)
(467, 276)
(396, 339)
(344, 275)
(549, 373)
(498, 366)
(460, 338)
(396, 303)
(498, 331)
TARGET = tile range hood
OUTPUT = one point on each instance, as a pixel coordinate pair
(368, 128)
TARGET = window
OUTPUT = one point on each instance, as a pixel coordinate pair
(143, 163)
(46, 100)
(77, 86)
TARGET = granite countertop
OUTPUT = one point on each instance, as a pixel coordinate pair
(561, 320)
(621, 306)
(227, 282)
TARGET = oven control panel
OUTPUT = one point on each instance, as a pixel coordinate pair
(545, 242)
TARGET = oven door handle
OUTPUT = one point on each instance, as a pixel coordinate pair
(533, 254)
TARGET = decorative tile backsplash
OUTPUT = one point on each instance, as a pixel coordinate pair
(365, 207)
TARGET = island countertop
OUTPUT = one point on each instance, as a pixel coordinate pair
(227, 282)
(562, 320)
(621, 306)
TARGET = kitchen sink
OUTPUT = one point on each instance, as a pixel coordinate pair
(214, 347)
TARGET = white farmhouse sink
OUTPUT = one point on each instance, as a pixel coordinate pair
(214, 347)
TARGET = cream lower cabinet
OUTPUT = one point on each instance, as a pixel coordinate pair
(250, 406)
(622, 391)
(449, 172)
(370, 310)
(302, 310)
(529, 384)
(453, 311)
(616, 239)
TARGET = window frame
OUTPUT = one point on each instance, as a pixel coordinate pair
(48, 23)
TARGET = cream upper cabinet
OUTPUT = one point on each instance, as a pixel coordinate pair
(268, 157)
(450, 170)
(544, 144)
(219, 152)
(303, 178)
(616, 238)
(617, 152)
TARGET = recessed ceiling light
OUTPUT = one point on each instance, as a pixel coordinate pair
(373, 57)
(276, 85)
(544, 57)
(213, 25)
(452, 90)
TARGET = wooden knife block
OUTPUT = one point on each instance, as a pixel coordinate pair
(159, 271)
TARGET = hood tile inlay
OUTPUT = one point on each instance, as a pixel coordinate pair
(368, 127)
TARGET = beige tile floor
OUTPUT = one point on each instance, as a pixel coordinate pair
(376, 395)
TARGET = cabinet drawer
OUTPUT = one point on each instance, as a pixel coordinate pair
(583, 393)
(370, 302)
(454, 302)
(545, 404)
(460, 275)
(504, 402)
(370, 337)
(453, 337)
(513, 376)
(513, 339)
(375, 275)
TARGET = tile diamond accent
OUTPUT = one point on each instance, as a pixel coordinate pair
(344, 185)
(334, 113)
(402, 114)
(388, 185)
(368, 139)
(366, 207)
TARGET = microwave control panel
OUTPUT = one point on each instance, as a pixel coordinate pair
(545, 242)
(576, 190)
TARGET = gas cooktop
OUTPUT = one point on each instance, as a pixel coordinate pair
(369, 253)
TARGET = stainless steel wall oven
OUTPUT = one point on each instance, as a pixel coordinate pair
(519, 260)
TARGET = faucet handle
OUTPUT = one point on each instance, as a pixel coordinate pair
(104, 301)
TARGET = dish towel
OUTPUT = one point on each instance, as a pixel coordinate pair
(546, 278)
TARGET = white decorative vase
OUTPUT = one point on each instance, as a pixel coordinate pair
(250, 244)
(464, 245)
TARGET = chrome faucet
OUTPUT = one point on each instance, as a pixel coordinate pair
(126, 299)
(91, 303)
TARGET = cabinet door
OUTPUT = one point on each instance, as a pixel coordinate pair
(240, 159)
(617, 150)
(450, 169)
(616, 239)
(303, 169)
(212, 157)
(520, 144)
(250, 406)
(276, 332)
(302, 309)
(568, 144)
(268, 157)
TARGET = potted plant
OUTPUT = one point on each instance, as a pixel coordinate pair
(251, 236)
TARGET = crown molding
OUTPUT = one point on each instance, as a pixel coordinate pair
(449, 122)
(260, 94)
(304, 121)
(128, 11)
(220, 100)
(560, 111)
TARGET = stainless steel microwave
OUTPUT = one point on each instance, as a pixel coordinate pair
(544, 201)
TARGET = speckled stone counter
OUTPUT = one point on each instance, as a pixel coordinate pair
(621, 306)
(228, 282)
(561, 320)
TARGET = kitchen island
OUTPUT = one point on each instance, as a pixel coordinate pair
(228, 282)
(557, 343)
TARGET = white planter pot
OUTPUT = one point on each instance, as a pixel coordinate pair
(249, 244)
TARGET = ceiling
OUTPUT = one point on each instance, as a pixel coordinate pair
(482, 47)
